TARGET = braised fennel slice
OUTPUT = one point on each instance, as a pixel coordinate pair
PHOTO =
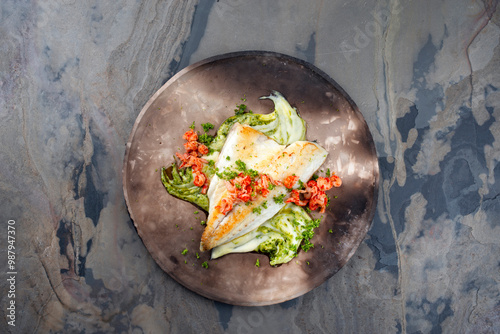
(181, 185)
(283, 125)
(279, 237)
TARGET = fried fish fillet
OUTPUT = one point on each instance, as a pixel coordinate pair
(264, 155)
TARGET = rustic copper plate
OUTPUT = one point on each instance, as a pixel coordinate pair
(208, 91)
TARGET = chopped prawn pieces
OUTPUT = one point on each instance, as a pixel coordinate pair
(314, 193)
(326, 183)
(190, 135)
(295, 198)
(192, 158)
(290, 181)
(190, 161)
(226, 205)
(191, 145)
(199, 178)
(202, 149)
(320, 200)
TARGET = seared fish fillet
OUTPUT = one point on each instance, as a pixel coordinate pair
(258, 152)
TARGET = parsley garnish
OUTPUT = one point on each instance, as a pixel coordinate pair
(240, 165)
(205, 265)
(257, 263)
(241, 109)
(328, 174)
(207, 126)
(264, 204)
(279, 199)
(227, 174)
(192, 126)
(309, 233)
(307, 245)
(184, 252)
(252, 173)
(257, 210)
(205, 139)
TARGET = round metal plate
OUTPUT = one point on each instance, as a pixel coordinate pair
(209, 91)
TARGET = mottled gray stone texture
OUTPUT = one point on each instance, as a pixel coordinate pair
(425, 74)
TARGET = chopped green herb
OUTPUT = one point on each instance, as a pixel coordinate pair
(184, 252)
(253, 173)
(314, 177)
(203, 222)
(307, 262)
(241, 109)
(264, 204)
(197, 255)
(196, 212)
(240, 165)
(307, 245)
(257, 210)
(257, 263)
(205, 139)
(227, 175)
(279, 199)
(205, 265)
(328, 173)
(228, 158)
(330, 231)
(192, 126)
(207, 126)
